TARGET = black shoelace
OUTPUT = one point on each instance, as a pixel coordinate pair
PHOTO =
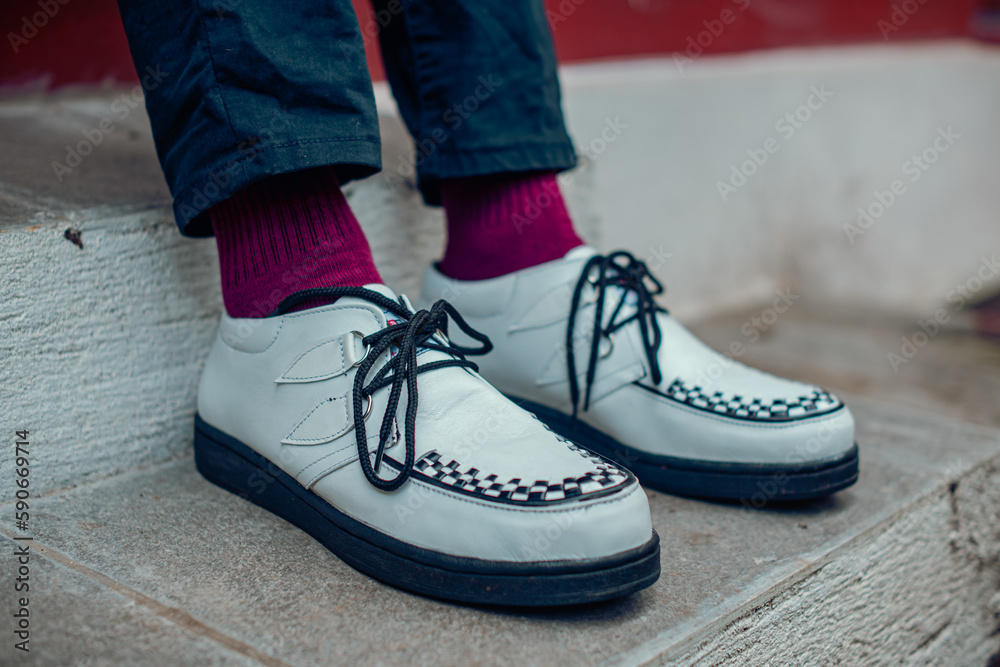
(413, 331)
(618, 269)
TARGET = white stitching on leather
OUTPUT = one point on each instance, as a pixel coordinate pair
(296, 427)
(281, 323)
(343, 362)
(828, 416)
(307, 313)
(236, 349)
(536, 509)
(332, 466)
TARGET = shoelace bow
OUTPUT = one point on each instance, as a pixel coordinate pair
(632, 276)
(413, 331)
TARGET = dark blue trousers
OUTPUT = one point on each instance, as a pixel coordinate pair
(244, 89)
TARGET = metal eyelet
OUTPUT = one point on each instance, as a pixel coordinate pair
(368, 408)
(368, 348)
(611, 347)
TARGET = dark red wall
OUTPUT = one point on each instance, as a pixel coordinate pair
(82, 41)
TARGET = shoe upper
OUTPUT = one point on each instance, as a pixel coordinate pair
(648, 382)
(488, 480)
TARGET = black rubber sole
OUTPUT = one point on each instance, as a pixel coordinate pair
(755, 484)
(225, 461)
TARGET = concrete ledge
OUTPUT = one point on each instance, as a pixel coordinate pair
(103, 345)
(922, 588)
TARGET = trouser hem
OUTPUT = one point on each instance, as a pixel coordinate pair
(554, 156)
(351, 158)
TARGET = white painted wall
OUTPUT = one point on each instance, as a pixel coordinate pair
(657, 183)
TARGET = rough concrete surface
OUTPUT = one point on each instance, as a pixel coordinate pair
(119, 173)
(183, 543)
(918, 593)
(75, 620)
(101, 357)
(954, 372)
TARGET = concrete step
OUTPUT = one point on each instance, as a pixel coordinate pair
(901, 569)
(138, 560)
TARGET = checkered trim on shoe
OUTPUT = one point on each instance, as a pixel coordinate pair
(818, 402)
(603, 479)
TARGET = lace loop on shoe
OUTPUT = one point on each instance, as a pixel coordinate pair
(619, 269)
(427, 329)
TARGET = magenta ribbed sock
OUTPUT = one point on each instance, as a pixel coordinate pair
(503, 223)
(287, 233)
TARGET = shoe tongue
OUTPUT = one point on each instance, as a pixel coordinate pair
(384, 290)
(614, 292)
(392, 318)
(579, 252)
(387, 292)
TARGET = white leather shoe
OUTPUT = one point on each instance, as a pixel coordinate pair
(644, 391)
(457, 493)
